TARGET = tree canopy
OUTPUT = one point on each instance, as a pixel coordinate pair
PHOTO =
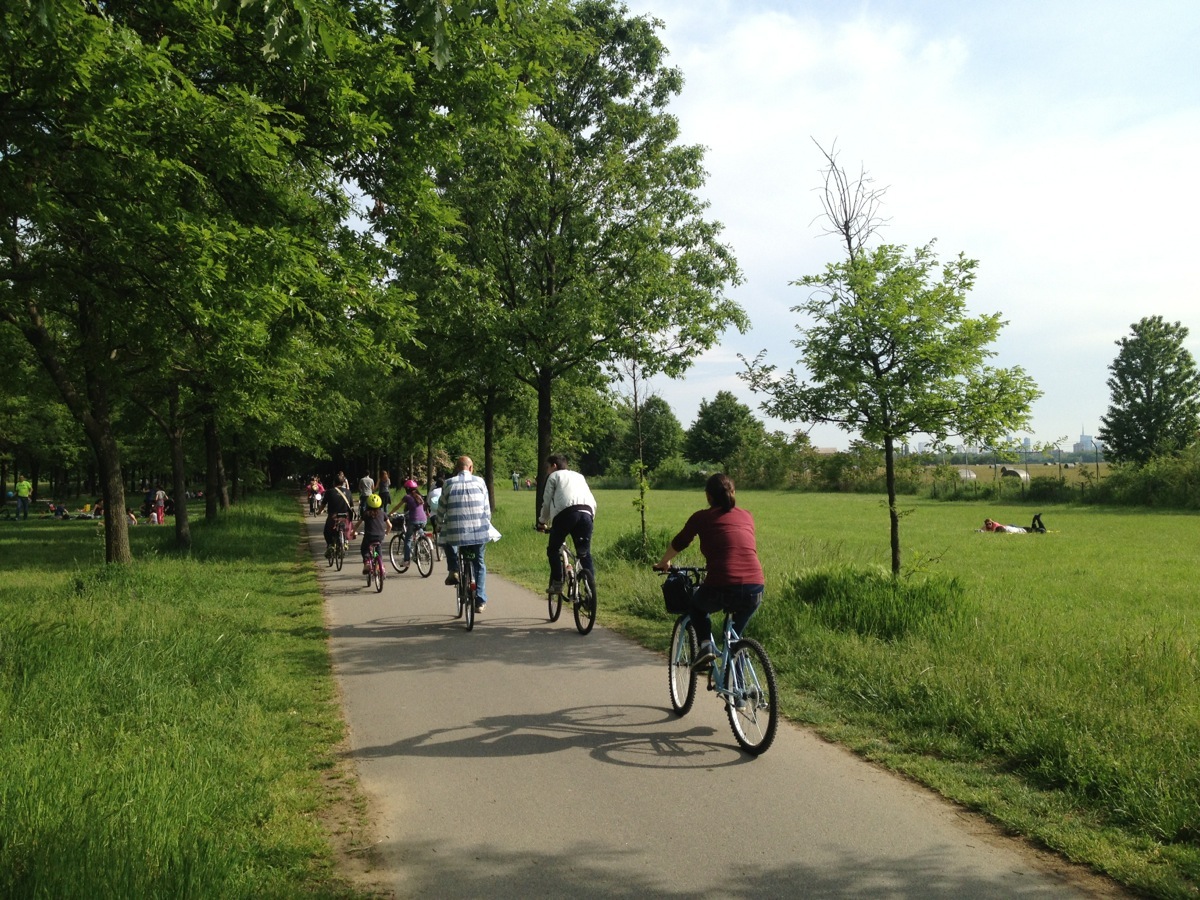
(1154, 408)
(891, 350)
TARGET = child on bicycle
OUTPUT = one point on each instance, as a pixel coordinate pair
(375, 527)
(415, 516)
(734, 580)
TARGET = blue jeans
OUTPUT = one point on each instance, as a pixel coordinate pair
(742, 600)
(411, 530)
(480, 568)
(22, 508)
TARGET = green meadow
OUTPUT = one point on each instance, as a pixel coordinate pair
(171, 728)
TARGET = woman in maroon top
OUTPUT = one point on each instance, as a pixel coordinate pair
(734, 581)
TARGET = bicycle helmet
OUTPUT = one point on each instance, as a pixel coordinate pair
(410, 485)
(374, 501)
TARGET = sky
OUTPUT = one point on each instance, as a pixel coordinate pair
(1056, 142)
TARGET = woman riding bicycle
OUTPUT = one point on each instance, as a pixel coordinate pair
(375, 527)
(734, 581)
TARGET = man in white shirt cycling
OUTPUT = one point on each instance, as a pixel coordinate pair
(568, 507)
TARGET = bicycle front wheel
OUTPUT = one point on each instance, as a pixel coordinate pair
(585, 602)
(681, 679)
(423, 551)
(396, 552)
(751, 703)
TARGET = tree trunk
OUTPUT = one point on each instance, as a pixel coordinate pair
(183, 528)
(489, 445)
(889, 468)
(215, 497)
(545, 423)
(90, 408)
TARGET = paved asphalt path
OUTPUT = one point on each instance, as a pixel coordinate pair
(524, 760)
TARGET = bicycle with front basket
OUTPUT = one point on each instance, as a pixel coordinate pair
(741, 675)
(424, 551)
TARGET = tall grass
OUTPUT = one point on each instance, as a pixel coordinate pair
(166, 724)
(1051, 680)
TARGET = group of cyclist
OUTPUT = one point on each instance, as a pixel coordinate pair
(734, 579)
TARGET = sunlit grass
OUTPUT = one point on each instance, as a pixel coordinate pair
(166, 723)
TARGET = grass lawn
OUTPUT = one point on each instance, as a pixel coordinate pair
(170, 728)
(1060, 694)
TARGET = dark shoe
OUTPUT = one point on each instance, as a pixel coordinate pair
(452, 578)
(556, 587)
(366, 570)
(705, 657)
(480, 606)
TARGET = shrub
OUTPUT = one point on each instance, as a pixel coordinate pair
(871, 603)
(629, 547)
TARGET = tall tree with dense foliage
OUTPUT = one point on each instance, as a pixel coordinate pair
(584, 224)
(1154, 408)
(891, 350)
(722, 427)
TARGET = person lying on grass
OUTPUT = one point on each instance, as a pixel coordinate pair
(1036, 527)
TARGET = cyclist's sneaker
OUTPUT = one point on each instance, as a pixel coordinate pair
(480, 606)
(556, 587)
(366, 570)
(329, 551)
(452, 578)
(705, 657)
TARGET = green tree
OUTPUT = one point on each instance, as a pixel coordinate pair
(583, 226)
(891, 351)
(662, 434)
(1155, 394)
(722, 427)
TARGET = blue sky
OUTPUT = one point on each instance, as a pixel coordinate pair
(1055, 142)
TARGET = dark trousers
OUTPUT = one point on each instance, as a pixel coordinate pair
(740, 600)
(577, 522)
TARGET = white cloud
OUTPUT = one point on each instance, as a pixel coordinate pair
(1057, 145)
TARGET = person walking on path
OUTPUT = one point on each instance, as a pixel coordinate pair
(568, 507)
(465, 517)
(24, 496)
(384, 489)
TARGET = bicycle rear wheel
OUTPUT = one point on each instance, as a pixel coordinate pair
(377, 572)
(423, 551)
(339, 554)
(585, 602)
(751, 704)
(554, 602)
(681, 679)
(468, 602)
